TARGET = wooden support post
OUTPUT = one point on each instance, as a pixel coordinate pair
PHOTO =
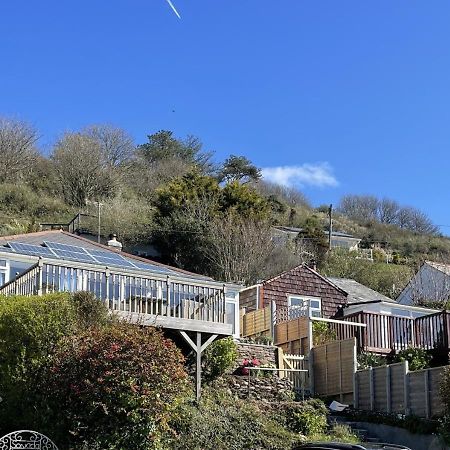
(273, 311)
(198, 350)
(280, 361)
(198, 372)
(355, 390)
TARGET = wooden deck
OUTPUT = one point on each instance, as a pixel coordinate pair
(386, 333)
(152, 300)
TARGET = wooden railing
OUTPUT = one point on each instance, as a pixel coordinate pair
(124, 291)
(25, 284)
(385, 333)
(432, 331)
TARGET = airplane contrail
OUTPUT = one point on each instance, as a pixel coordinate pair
(173, 8)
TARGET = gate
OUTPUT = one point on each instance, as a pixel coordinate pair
(26, 440)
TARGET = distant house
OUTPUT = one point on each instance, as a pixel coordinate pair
(302, 296)
(430, 283)
(361, 298)
(338, 239)
(300, 287)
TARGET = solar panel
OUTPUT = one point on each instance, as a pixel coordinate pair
(29, 249)
(103, 253)
(75, 256)
(65, 247)
(114, 262)
(152, 267)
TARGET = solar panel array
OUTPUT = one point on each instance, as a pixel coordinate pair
(56, 250)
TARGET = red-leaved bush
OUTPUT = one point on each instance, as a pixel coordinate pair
(114, 387)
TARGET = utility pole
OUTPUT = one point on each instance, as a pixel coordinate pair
(330, 225)
(99, 205)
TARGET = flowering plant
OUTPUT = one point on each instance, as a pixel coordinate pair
(246, 363)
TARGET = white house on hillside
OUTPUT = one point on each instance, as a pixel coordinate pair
(430, 283)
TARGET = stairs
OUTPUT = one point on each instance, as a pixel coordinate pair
(362, 433)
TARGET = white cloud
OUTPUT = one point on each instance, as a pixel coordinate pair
(319, 175)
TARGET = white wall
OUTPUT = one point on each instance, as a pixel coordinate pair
(427, 284)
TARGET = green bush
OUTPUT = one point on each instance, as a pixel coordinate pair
(417, 358)
(219, 357)
(112, 388)
(367, 360)
(30, 328)
(89, 310)
(309, 419)
(222, 422)
(322, 333)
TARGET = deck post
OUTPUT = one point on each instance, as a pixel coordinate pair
(198, 348)
(39, 277)
(198, 371)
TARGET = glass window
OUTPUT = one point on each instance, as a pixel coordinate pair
(231, 314)
(298, 306)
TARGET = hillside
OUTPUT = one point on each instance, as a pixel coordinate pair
(213, 218)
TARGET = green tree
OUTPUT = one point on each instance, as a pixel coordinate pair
(238, 168)
(162, 145)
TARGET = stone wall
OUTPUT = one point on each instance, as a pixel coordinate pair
(268, 388)
(266, 354)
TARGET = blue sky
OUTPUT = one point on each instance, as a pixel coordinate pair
(334, 96)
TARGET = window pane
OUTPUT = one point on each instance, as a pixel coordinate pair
(295, 301)
(315, 304)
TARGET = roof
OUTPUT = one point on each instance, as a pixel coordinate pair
(358, 293)
(444, 268)
(327, 280)
(43, 238)
(337, 234)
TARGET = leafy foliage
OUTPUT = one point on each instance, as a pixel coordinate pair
(219, 357)
(367, 360)
(113, 387)
(238, 168)
(417, 358)
(322, 333)
(222, 422)
(30, 328)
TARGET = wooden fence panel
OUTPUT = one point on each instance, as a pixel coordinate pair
(380, 386)
(397, 382)
(292, 336)
(394, 389)
(333, 368)
(417, 398)
(256, 323)
(362, 378)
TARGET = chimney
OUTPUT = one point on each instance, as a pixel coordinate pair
(113, 242)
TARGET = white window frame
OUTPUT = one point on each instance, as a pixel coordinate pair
(306, 304)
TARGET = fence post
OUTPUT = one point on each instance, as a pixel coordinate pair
(355, 374)
(280, 361)
(273, 310)
(371, 389)
(406, 387)
(311, 372)
(388, 390)
(426, 375)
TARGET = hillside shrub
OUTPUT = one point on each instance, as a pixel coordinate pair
(113, 387)
(307, 418)
(322, 333)
(222, 422)
(30, 328)
(417, 358)
(220, 357)
(89, 310)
